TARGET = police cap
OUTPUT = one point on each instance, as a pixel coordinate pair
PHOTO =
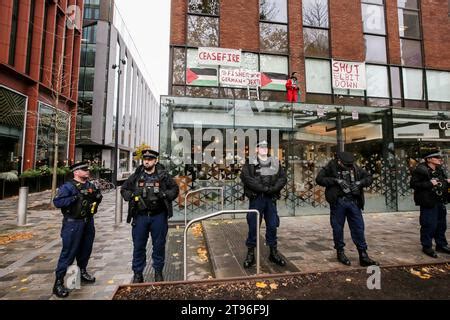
(434, 153)
(84, 165)
(347, 158)
(149, 154)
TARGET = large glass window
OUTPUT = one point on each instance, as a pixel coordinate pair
(409, 23)
(377, 81)
(438, 83)
(375, 48)
(202, 31)
(413, 84)
(91, 9)
(209, 7)
(316, 42)
(88, 55)
(373, 18)
(395, 83)
(274, 72)
(318, 76)
(315, 13)
(274, 38)
(13, 35)
(410, 33)
(273, 10)
(411, 52)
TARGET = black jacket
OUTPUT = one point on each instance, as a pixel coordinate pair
(167, 186)
(424, 195)
(327, 178)
(254, 186)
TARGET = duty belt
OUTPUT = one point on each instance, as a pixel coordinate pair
(86, 219)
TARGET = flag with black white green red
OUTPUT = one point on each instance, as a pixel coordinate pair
(273, 81)
(202, 77)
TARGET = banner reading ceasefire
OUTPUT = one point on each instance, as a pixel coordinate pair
(219, 57)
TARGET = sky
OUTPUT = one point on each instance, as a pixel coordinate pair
(148, 22)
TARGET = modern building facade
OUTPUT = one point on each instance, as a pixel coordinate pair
(374, 80)
(39, 63)
(106, 42)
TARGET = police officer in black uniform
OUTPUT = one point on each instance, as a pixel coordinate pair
(263, 179)
(430, 184)
(344, 182)
(150, 192)
(79, 200)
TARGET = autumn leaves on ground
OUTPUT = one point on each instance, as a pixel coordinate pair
(425, 282)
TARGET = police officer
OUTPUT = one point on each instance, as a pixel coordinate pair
(150, 192)
(344, 182)
(263, 179)
(430, 184)
(79, 200)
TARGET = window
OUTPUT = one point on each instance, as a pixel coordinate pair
(373, 18)
(413, 84)
(375, 48)
(13, 35)
(438, 83)
(395, 83)
(274, 38)
(318, 76)
(209, 7)
(377, 81)
(202, 31)
(90, 34)
(315, 13)
(410, 33)
(274, 72)
(273, 11)
(316, 42)
(88, 55)
(178, 59)
(91, 9)
(30, 37)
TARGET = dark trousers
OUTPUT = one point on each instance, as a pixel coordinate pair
(268, 210)
(349, 209)
(144, 225)
(77, 241)
(433, 224)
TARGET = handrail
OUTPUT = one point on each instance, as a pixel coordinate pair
(198, 190)
(214, 214)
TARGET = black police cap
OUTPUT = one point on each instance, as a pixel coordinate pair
(347, 158)
(79, 166)
(149, 154)
(433, 153)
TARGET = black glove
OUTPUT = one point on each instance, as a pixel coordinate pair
(344, 185)
(161, 195)
(272, 190)
(266, 189)
(137, 193)
(355, 187)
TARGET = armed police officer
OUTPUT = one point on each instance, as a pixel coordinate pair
(430, 184)
(79, 200)
(344, 182)
(150, 192)
(263, 179)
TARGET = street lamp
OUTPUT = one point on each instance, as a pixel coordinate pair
(116, 133)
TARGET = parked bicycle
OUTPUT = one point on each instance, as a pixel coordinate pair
(103, 185)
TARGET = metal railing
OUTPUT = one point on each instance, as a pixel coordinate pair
(217, 214)
(198, 190)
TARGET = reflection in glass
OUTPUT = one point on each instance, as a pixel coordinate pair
(202, 92)
(316, 42)
(409, 4)
(377, 81)
(438, 83)
(315, 13)
(273, 38)
(411, 52)
(409, 24)
(318, 77)
(395, 83)
(202, 31)
(178, 75)
(413, 84)
(373, 19)
(375, 49)
(273, 10)
(210, 7)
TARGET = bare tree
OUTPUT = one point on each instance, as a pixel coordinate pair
(315, 13)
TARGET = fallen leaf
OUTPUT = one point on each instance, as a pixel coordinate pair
(15, 237)
(419, 274)
(111, 282)
(261, 285)
(273, 286)
(23, 289)
(24, 280)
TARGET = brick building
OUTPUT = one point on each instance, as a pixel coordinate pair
(39, 69)
(374, 78)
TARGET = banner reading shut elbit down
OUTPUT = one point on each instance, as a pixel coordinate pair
(219, 57)
(239, 78)
(349, 75)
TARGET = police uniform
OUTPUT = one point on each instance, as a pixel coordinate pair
(150, 197)
(78, 203)
(432, 201)
(344, 182)
(263, 181)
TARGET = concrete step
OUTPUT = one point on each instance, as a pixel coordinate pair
(225, 240)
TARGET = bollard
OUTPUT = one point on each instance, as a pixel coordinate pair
(119, 206)
(22, 207)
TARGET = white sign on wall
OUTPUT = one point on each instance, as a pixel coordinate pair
(219, 57)
(240, 77)
(349, 75)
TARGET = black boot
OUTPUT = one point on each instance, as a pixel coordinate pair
(250, 260)
(364, 259)
(430, 252)
(86, 277)
(138, 278)
(159, 276)
(59, 289)
(444, 249)
(342, 258)
(275, 257)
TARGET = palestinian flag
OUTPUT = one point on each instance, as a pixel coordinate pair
(273, 81)
(202, 77)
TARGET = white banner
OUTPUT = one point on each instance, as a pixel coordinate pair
(240, 78)
(349, 75)
(219, 57)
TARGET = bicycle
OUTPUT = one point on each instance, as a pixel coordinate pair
(103, 185)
